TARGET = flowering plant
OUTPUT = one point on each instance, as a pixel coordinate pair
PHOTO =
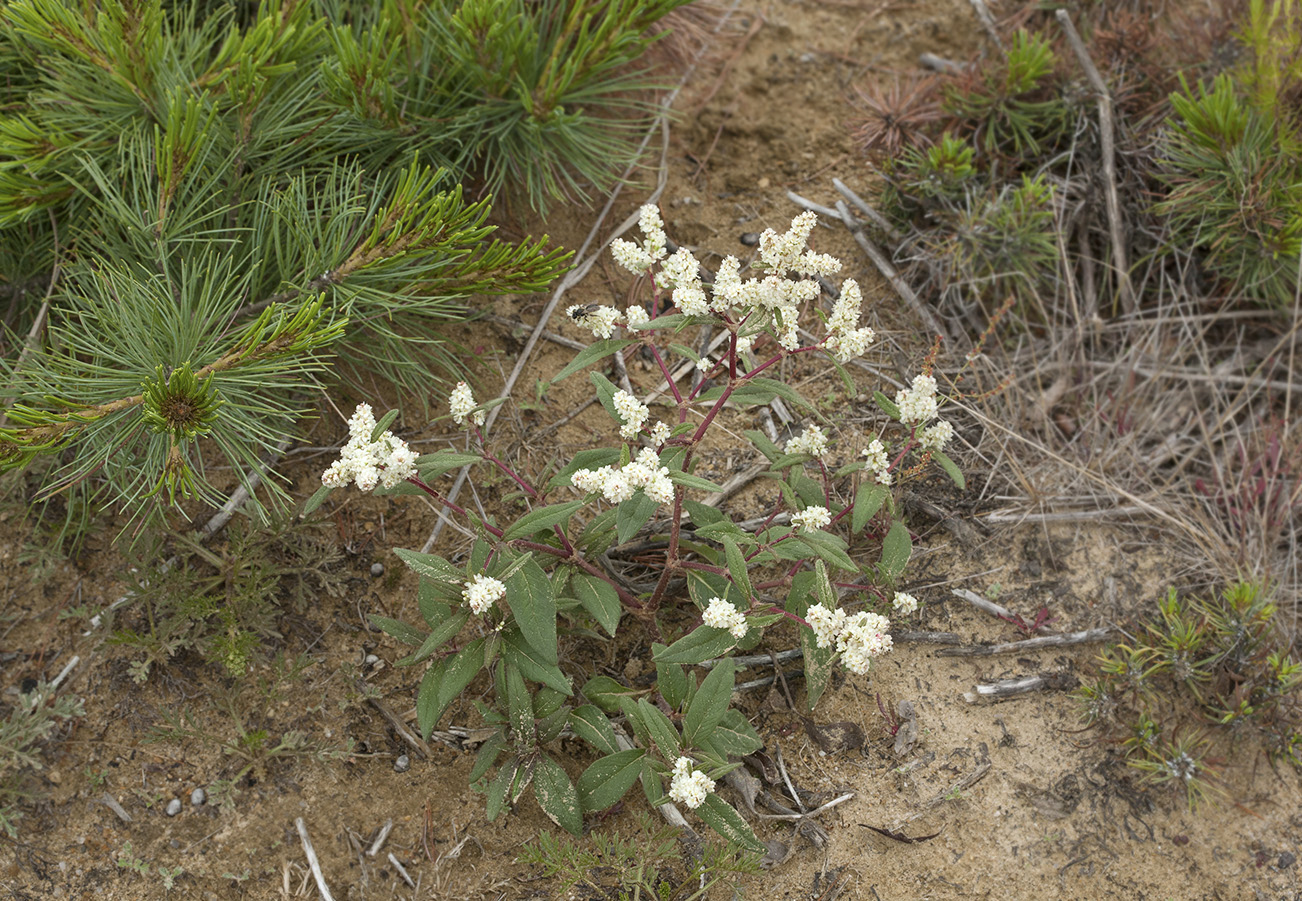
(498, 612)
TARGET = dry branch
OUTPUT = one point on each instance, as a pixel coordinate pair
(312, 861)
(1014, 647)
(1009, 688)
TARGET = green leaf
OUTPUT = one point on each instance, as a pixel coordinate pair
(735, 736)
(702, 514)
(687, 480)
(599, 534)
(533, 605)
(700, 644)
(828, 547)
(431, 466)
(633, 514)
(428, 594)
(671, 681)
(951, 469)
(818, 666)
(823, 587)
(444, 680)
(685, 351)
(809, 490)
(720, 816)
(542, 518)
(398, 629)
(317, 499)
(489, 751)
(557, 796)
(591, 354)
(431, 565)
(549, 728)
(897, 547)
(651, 784)
(607, 780)
(518, 652)
(605, 393)
(716, 531)
(591, 725)
(887, 405)
(442, 634)
(605, 692)
(867, 502)
(599, 598)
(783, 390)
(763, 444)
(519, 707)
(737, 566)
(711, 702)
(501, 784)
(383, 425)
(662, 731)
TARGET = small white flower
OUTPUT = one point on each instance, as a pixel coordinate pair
(660, 489)
(482, 592)
(918, 404)
(463, 405)
(744, 344)
(689, 787)
(811, 441)
(728, 288)
(781, 253)
(601, 319)
(635, 316)
(827, 624)
(659, 434)
(632, 412)
(845, 313)
(722, 614)
(387, 460)
(864, 636)
(905, 603)
(936, 436)
(875, 456)
(811, 519)
(631, 257)
(846, 346)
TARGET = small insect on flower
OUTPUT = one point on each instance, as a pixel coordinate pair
(581, 311)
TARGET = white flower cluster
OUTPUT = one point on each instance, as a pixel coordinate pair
(775, 292)
(387, 461)
(812, 441)
(463, 405)
(845, 340)
(877, 461)
(722, 614)
(659, 434)
(602, 319)
(859, 637)
(689, 787)
(811, 519)
(639, 259)
(632, 412)
(905, 603)
(918, 404)
(618, 484)
(936, 436)
(482, 592)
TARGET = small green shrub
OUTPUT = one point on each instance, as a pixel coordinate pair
(1206, 672)
(29, 723)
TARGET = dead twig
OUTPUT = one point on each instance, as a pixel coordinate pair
(379, 839)
(1015, 647)
(312, 862)
(1011, 688)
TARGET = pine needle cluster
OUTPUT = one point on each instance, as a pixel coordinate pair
(208, 209)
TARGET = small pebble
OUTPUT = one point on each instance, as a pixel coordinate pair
(402, 764)
(198, 796)
(377, 569)
(173, 807)
(371, 660)
(750, 239)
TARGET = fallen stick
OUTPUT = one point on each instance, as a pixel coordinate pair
(1013, 647)
(877, 218)
(1011, 688)
(1063, 516)
(398, 725)
(1107, 141)
(982, 604)
(987, 21)
(379, 839)
(312, 862)
(401, 872)
(112, 804)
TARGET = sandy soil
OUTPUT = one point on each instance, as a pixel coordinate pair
(1054, 812)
